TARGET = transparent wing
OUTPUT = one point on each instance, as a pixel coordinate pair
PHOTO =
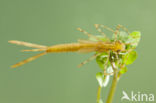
(85, 41)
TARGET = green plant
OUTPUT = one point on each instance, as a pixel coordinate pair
(115, 63)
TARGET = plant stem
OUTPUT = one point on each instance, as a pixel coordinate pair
(99, 94)
(99, 88)
(114, 84)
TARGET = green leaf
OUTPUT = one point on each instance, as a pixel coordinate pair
(100, 101)
(129, 47)
(101, 59)
(123, 70)
(134, 38)
(135, 34)
(102, 80)
(130, 57)
(99, 77)
(122, 36)
(110, 70)
(131, 40)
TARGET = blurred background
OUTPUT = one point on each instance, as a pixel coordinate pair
(55, 78)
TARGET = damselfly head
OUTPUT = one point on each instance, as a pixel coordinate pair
(119, 46)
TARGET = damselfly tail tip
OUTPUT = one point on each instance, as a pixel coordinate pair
(18, 64)
(27, 60)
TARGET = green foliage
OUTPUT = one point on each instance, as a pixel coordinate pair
(99, 77)
(125, 57)
(102, 79)
(122, 36)
(123, 70)
(100, 101)
(134, 38)
(101, 60)
(120, 59)
(130, 57)
(131, 40)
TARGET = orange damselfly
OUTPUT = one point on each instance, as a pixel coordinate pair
(83, 46)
